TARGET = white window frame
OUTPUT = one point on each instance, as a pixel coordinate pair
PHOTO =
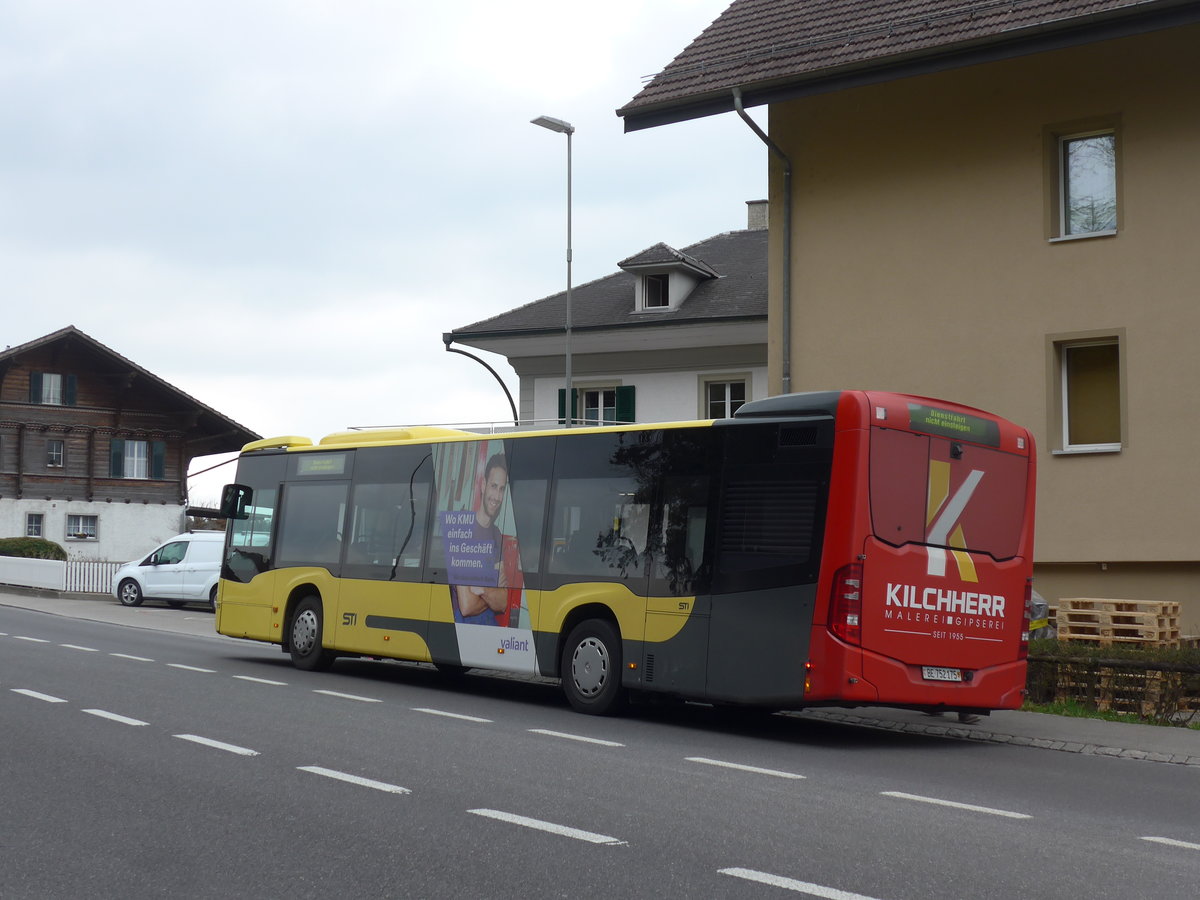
(52, 389)
(61, 445)
(35, 525)
(1063, 350)
(582, 405)
(644, 287)
(137, 459)
(1064, 206)
(81, 531)
(708, 381)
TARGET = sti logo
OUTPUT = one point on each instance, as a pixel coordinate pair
(942, 520)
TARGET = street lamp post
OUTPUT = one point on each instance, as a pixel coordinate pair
(568, 129)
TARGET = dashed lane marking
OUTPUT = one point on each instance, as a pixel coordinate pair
(134, 658)
(970, 807)
(742, 768)
(216, 745)
(1172, 842)
(25, 692)
(451, 715)
(77, 647)
(190, 668)
(113, 717)
(575, 737)
(354, 779)
(537, 824)
(348, 696)
(791, 884)
(260, 680)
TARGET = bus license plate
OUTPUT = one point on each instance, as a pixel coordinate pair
(934, 673)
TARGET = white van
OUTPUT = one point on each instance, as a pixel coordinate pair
(182, 570)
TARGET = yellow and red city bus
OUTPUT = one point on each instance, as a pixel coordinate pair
(834, 548)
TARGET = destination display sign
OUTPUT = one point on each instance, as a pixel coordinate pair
(945, 423)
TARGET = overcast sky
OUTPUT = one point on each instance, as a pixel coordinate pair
(279, 206)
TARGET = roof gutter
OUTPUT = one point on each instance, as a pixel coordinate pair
(786, 316)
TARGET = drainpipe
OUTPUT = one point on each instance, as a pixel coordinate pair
(786, 316)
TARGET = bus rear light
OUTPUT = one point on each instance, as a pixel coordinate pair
(1026, 620)
(845, 604)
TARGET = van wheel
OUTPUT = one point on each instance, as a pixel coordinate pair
(591, 668)
(212, 599)
(305, 637)
(129, 593)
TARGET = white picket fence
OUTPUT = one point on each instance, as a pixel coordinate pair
(89, 576)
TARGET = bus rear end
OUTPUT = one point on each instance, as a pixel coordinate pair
(929, 558)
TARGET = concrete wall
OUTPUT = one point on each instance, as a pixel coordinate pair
(37, 573)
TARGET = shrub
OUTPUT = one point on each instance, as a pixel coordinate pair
(31, 548)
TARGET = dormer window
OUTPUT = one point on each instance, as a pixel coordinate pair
(657, 292)
(665, 278)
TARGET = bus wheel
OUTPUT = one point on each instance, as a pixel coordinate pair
(591, 668)
(304, 640)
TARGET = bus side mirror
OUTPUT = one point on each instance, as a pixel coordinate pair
(235, 500)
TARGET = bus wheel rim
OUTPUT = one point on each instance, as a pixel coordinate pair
(589, 666)
(304, 631)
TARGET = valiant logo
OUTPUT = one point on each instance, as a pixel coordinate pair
(943, 513)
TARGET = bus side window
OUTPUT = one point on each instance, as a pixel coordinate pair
(311, 530)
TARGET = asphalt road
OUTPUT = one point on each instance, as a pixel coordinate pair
(141, 763)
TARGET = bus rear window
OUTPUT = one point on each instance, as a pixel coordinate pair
(936, 491)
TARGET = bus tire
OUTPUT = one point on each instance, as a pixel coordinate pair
(591, 668)
(305, 634)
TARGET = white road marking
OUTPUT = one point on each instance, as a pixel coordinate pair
(124, 720)
(741, 768)
(36, 696)
(348, 696)
(77, 647)
(538, 824)
(967, 806)
(354, 779)
(1171, 842)
(217, 745)
(190, 668)
(134, 658)
(791, 884)
(450, 715)
(575, 737)
(32, 640)
(260, 680)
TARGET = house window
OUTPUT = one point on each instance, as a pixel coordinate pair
(1087, 184)
(137, 459)
(81, 528)
(55, 454)
(722, 398)
(657, 293)
(1089, 385)
(33, 524)
(596, 405)
(51, 389)
(600, 405)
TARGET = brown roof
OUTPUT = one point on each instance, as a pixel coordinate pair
(777, 49)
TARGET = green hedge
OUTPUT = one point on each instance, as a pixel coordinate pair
(31, 548)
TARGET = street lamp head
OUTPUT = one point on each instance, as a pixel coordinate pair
(554, 124)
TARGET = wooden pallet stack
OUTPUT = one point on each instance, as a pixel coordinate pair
(1150, 623)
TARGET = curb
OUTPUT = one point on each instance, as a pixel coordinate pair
(993, 737)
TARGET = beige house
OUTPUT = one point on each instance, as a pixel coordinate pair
(997, 204)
